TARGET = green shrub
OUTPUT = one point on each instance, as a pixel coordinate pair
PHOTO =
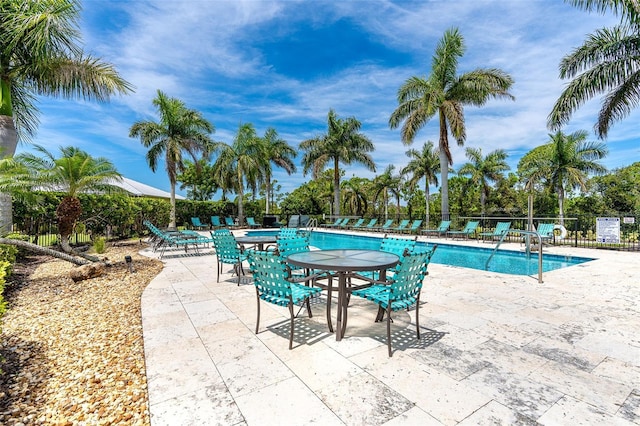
(99, 245)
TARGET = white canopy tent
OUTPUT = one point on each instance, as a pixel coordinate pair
(140, 189)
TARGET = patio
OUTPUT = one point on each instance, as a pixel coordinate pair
(495, 349)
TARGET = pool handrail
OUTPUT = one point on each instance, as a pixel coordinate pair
(521, 231)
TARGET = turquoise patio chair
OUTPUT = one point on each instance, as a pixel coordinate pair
(402, 226)
(252, 223)
(371, 225)
(359, 224)
(272, 279)
(336, 223)
(195, 221)
(414, 226)
(402, 291)
(470, 228)
(395, 245)
(287, 232)
(501, 229)
(215, 222)
(227, 251)
(440, 230)
(345, 223)
(386, 226)
(228, 220)
(545, 230)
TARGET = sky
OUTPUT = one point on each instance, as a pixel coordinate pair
(285, 64)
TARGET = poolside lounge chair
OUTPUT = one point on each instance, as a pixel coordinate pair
(440, 230)
(228, 220)
(359, 224)
(371, 225)
(215, 222)
(402, 291)
(334, 224)
(385, 226)
(500, 230)
(414, 226)
(252, 223)
(227, 251)
(402, 226)
(469, 228)
(195, 221)
(272, 280)
(345, 223)
(546, 231)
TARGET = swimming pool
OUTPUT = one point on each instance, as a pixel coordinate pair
(504, 261)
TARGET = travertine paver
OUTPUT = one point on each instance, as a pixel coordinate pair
(495, 349)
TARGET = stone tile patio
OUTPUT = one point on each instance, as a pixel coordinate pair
(495, 349)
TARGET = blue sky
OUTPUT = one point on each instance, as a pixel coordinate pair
(285, 64)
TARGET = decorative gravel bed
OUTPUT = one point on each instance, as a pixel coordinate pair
(72, 353)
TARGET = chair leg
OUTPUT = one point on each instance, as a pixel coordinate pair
(329, 289)
(418, 316)
(389, 329)
(218, 270)
(308, 307)
(291, 331)
(258, 318)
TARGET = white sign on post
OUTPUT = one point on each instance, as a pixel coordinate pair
(608, 230)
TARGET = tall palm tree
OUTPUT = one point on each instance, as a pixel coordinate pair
(242, 164)
(179, 130)
(342, 143)
(564, 162)
(608, 63)
(354, 197)
(74, 172)
(423, 164)
(484, 170)
(40, 54)
(444, 93)
(383, 185)
(280, 153)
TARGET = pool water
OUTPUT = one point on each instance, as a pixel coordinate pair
(504, 261)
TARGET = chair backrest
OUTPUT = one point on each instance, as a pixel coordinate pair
(358, 223)
(290, 245)
(404, 223)
(195, 221)
(409, 275)
(397, 245)
(229, 221)
(416, 224)
(270, 276)
(372, 223)
(287, 232)
(545, 229)
(444, 225)
(387, 224)
(471, 226)
(251, 221)
(501, 228)
(215, 221)
(345, 222)
(225, 245)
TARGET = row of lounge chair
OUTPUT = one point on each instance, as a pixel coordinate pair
(216, 222)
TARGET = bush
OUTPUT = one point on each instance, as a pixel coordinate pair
(99, 245)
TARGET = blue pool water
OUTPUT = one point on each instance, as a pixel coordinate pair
(504, 261)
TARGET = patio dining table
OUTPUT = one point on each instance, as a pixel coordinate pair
(257, 240)
(344, 262)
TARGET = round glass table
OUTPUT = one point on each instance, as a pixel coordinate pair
(343, 262)
(257, 240)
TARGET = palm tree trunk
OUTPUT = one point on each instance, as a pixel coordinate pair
(336, 186)
(44, 250)
(426, 195)
(8, 143)
(172, 212)
(561, 204)
(444, 184)
(268, 191)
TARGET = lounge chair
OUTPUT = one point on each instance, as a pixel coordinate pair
(371, 225)
(228, 220)
(385, 226)
(334, 224)
(195, 221)
(359, 224)
(402, 291)
(215, 222)
(252, 223)
(545, 230)
(440, 230)
(469, 229)
(402, 226)
(345, 223)
(414, 226)
(500, 230)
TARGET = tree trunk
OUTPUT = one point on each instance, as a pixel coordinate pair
(336, 187)
(444, 184)
(44, 250)
(268, 191)
(561, 204)
(172, 212)
(426, 195)
(8, 143)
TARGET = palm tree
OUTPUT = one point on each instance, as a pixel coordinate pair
(72, 173)
(241, 164)
(606, 64)
(40, 55)
(280, 153)
(385, 183)
(342, 143)
(484, 170)
(179, 130)
(423, 164)
(444, 93)
(354, 197)
(564, 162)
